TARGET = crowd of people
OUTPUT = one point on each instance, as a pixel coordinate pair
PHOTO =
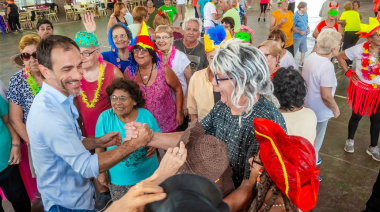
(165, 122)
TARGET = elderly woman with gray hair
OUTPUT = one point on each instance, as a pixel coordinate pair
(241, 76)
(318, 72)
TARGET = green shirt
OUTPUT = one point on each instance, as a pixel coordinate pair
(5, 141)
(233, 13)
(171, 11)
(352, 19)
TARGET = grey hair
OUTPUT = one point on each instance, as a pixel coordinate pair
(229, 2)
(187, 20)
(328, 40)
(246, 65)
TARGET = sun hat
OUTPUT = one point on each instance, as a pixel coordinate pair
(290, 162)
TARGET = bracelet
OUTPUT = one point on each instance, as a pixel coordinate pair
(16, 145)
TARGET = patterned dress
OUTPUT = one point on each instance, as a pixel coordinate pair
(20, 93)
(159, 100)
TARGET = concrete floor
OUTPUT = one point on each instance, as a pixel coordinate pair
(347, 178)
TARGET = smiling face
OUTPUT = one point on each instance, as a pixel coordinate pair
(163, 41)
(32, 63)
(45, 30)
(66, 71)
(149, 4)
(356, 6)
(120, 37)
(255, 167)
(89, 56)
(191, 33)
(225, 88)
(272, 61)
(167, 2)
(122, 103)
(142, 56)
(284, 5)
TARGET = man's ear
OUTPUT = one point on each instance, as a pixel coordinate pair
(44, 71)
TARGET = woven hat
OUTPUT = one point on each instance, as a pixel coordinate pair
(86, 39)
(208, 157)
(189, 193)
(290, 162)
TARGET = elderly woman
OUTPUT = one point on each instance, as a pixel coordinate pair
(24, 85)
(127, 105)
(10, 178)
(282, 19)
(319, 74)
(277, 188)
(290, 90)
(287, 58)
(242, 78)
(163, 19)
(119, 38)
(172, 57)
(272, 51)
(364, 91)
(120, 10)
(157, 81)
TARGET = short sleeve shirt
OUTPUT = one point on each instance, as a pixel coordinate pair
(355, 53)
(171, 11)
(300, 22)
(288, 60)
(208, 10)
(196, 55)
(20, 93)
(180, 62)
(240, 139)
(202, 3)
(323, 26)
(112, 58)
(352, 19)
(285, 27)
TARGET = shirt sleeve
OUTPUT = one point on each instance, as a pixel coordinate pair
(63, 140)
(328, 78)
(100, 128)
(354, 52)
(343, 16)
(174, 10)
(191, 103)
(4, 107)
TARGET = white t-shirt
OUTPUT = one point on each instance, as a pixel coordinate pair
(302, 123)
(288, 60)
(318, 72)
(180, 62)
(208, 10)
(355, 53)
(181, 1)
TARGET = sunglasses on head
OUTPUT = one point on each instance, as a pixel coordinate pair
(26, 56)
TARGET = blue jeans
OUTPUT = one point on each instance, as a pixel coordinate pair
(58, 208)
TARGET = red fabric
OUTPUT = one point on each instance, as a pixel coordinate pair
(375, 6)
(298, 157)
(363, 99)
(145, 40)
(322, 25)
(90, 115)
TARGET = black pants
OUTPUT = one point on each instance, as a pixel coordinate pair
(290, 49)
(349, 40)
(263, 7)
(373, 204)
(15, 22)
(374, 129)
(14, 189)
(291, 6)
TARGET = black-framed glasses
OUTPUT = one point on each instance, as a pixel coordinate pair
(114, 98)
(122, 36)
(139, 51)
(87, 54)
(26, 56)
(221, 79)
(255, 161)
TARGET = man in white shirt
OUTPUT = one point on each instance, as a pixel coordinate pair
(211, 14)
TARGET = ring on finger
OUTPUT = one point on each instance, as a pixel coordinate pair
(179, 154)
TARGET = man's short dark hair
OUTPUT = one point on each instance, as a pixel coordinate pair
(44, 21)
(228, 20)
(47, 45)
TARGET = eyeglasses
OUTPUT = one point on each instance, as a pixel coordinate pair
(121, 98)
(139, 51)
(26, 56)
(162, 38)
(255, 161)
(221, 79)
(87, 54)
(122, 36)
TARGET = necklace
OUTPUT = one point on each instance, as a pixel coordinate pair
(31, 82)
(92, 103)
(142, 81)
(184, 49)
(370, 65)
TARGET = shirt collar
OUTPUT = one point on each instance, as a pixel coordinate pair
(60, 97)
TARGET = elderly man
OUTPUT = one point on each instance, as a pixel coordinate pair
(44, 28)
(63, 163)
(242, 78)
(229, 11)
(191, 46)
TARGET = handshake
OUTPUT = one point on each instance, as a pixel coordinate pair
(138, 134)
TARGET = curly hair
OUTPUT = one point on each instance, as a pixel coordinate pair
(289, 88)
(129, 86)
(28, 40)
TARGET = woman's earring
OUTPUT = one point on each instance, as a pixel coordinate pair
(258, 179)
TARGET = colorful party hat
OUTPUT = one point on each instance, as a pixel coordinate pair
(368, 29)
(86, 39)
(143, 39)
(214, 37)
